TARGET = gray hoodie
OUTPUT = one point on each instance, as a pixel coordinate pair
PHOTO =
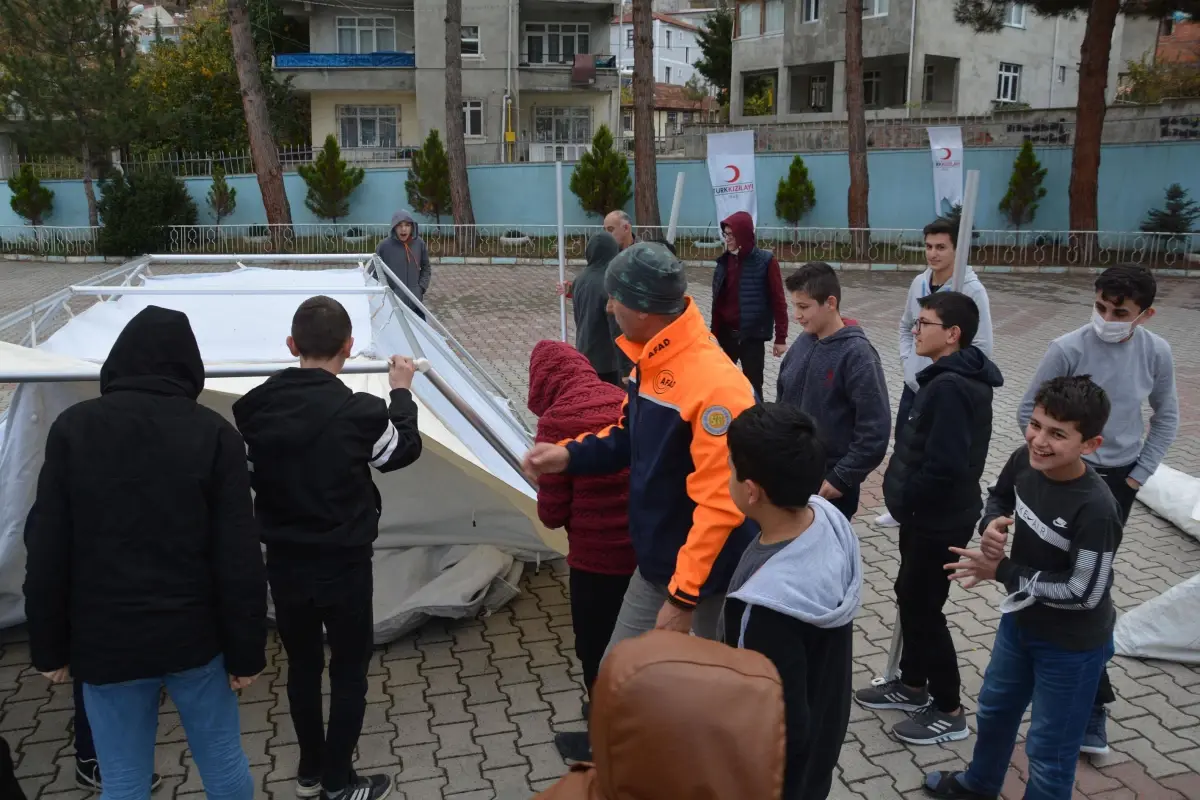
(596, 330)
(972, 288)
(409, 260)
(816, 578)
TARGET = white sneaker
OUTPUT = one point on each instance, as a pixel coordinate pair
(886, 520)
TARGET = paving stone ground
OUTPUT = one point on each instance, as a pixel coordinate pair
(469, 709)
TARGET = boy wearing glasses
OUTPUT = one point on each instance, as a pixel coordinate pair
(932, 487)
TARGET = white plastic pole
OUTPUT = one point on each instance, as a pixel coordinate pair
(966, 226)
(184, 289)
(675, 204)
(562, 250)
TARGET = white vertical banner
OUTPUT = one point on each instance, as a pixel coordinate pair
(947, 150)
(731, 172)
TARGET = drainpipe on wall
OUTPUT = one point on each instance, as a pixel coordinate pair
(508, 103)
(1053, 65)
(912, 42)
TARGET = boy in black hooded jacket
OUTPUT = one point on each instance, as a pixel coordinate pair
(311, 443)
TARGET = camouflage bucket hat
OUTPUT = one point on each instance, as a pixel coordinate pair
(647, 277)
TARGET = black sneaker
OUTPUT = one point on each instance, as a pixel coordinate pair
(930, 726)
(308, 787)
(892, 694)
(87, 776)
(573, 746)
(1095, 740)
(363, 787)
(947, 785)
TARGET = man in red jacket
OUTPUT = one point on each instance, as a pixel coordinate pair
(570, 400)
(748, 300)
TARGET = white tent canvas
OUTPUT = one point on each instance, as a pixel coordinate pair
(456, 525)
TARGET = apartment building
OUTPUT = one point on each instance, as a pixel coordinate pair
(538, 75)
(917, 61)
(1179, 39)
(676, 45)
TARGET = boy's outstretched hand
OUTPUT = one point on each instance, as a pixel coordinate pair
(546, 459)
(400, 372)
(973, 566)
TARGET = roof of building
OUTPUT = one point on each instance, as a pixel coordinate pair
(156, 14)
(673, 97)
(667, 18)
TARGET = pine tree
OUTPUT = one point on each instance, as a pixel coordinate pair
(796, 194)
(716, 47)
(428, 182)
(330, 182)
(139, 209)
(1020, 203)
(601, 179)
(1177, 217)
(222, 198)
(30, 199)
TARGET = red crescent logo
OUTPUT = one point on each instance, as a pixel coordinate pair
(947, 152)
(737, 173)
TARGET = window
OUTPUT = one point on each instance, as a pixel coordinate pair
(1168, 26)
(749, 19)
(668, 43)
(367, 126)
(629, 38)
(875, 8)
(472, 118)
(1062, 74)
(1008, 84)
(818, 92)
(627, 120)
(774, 18)
(872, 87)
(1014, 15)
(666, 75)
(468, 36)
(812, 10)
(555, 42)
(562, 125)
(366, 34)
(673, 122)
(927, 86)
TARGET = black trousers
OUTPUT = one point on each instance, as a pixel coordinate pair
(1114, 478)
(848, 503)
(85, 748)
(922, 586)
(341, 610)
(595, 602)
(750, 353)
(9, 788)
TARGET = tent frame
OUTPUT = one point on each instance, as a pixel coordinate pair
(41, 312)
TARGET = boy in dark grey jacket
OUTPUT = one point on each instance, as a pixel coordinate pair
(832, 373)
(405, 254)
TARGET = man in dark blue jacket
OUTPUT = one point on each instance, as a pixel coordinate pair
(748, 300)
(833, 374)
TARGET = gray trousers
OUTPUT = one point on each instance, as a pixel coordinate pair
(643, 601)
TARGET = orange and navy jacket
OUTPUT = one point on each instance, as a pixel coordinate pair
(683, 393)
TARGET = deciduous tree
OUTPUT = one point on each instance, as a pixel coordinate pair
(644, 163)
(460, 186)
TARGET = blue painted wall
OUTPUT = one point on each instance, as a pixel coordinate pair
(1132, 180)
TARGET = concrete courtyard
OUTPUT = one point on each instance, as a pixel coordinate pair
(469, 709)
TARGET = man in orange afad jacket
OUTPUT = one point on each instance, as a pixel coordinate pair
(682, 396)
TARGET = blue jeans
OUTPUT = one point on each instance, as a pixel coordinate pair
(1062, 685)
(124, 719)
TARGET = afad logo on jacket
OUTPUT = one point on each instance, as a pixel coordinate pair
(658, 348)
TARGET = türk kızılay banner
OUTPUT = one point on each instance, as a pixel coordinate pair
(731, 171)
(947, 150)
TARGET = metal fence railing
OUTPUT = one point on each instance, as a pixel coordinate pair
(47, 240)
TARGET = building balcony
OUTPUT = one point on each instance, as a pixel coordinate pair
(324, 72)
(543, 72)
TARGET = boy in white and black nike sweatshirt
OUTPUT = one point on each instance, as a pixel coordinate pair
(311, 443)
(1056, 633)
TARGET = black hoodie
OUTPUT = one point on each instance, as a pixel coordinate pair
(312, 442)
(143, 554)
(932, 480)
(596, 330)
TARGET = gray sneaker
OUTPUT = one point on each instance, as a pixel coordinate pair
(930, 726)
(892, 694)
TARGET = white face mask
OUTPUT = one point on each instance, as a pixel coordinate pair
(1112, 332)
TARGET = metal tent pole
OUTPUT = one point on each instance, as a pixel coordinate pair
(966, 227)
(562, 251)
(262, 369)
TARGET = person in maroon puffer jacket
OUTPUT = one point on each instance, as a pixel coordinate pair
(570, 400)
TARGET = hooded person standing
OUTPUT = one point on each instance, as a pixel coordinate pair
(596, 330)
(407, 257)
(570, 401)
(144, 568)
(748, 300)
